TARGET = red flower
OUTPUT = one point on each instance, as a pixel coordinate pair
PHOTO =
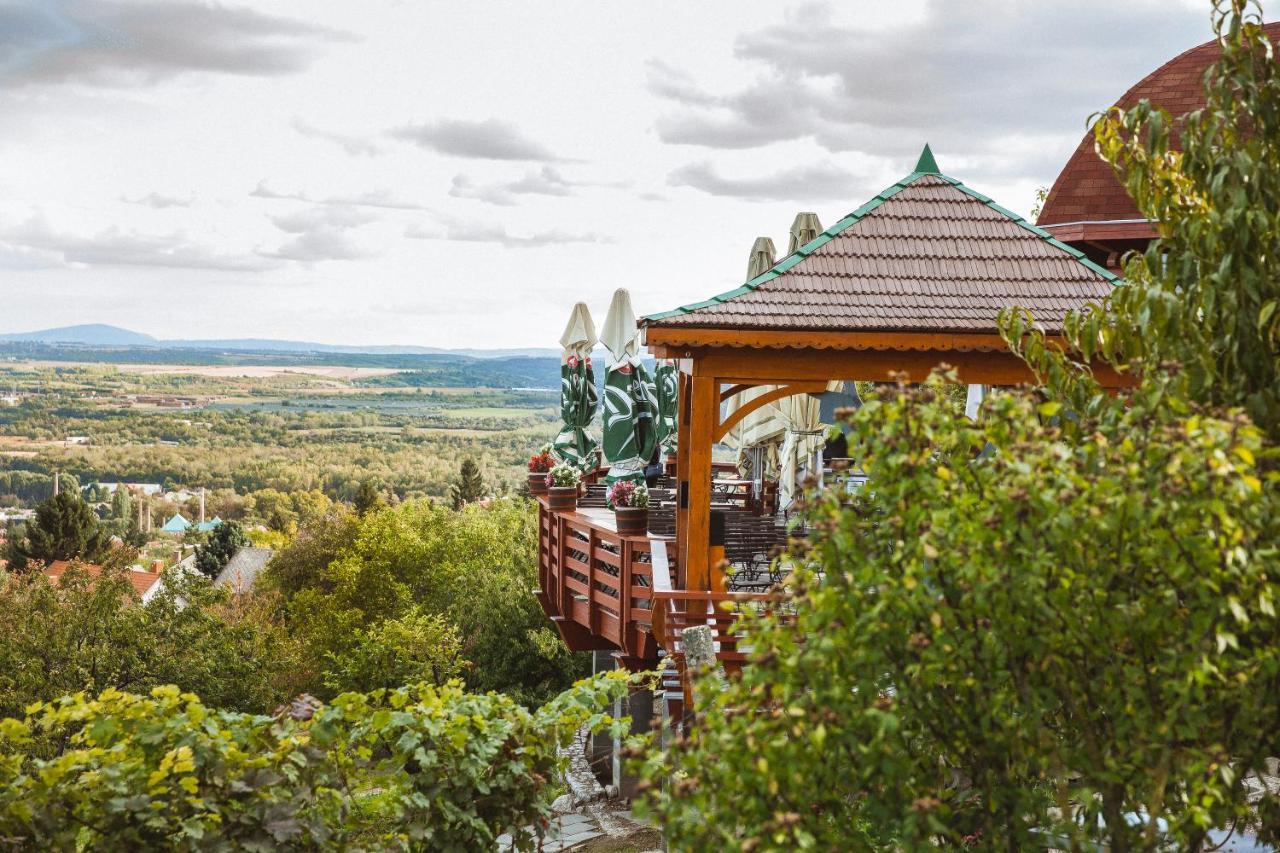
(573, 361)
(625, 369)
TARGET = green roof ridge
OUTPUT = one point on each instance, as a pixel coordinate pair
(926, 166)
(795, 257)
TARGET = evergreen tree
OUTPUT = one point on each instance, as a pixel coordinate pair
(469, 487)
(64, 528)
(225, 540)
(368, 498)
(120, 503)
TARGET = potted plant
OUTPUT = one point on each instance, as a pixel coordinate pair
(539, 465)
(562, 487)
(630, 502)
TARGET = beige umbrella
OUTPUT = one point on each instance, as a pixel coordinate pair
(762, 257)
(806, 227)
(761, 427)
(804, 437)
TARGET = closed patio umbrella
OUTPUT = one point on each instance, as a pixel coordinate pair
(805, 436)
(665, 381)
(630, 400)
(578, 396)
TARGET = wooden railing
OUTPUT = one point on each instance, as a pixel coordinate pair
(605, 591)
(674, 610)
(596, 585)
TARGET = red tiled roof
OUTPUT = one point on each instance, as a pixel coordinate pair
(142, 581)
(926, 255)
(1087, 190)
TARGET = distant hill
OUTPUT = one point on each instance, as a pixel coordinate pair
(101, 335)
(93, 334)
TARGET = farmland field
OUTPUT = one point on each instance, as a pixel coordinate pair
(243, 428)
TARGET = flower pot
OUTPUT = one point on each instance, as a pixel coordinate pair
(537, 483)
(562, 498)
(631, 520)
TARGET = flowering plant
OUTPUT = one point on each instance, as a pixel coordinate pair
(563, 476)
(629, 493)
(542, 462)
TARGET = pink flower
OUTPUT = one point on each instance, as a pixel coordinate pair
(573, 361)
(624, 369)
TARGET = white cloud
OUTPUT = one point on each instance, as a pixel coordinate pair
(357, 146)
(113, 247)
(823, 181)
(160, 201)
(467, 231)
(370, 198)
(963, 76)
(115, 43)
(491, 139)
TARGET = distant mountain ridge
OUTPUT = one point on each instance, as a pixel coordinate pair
(103, 335)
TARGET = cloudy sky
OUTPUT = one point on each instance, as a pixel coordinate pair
(459, 174)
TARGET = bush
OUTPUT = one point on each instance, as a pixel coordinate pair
(446, 770)
(475, 569)
(1011, 628)
(88, 634)
(410, 649)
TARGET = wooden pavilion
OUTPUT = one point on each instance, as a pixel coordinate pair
(913, 279)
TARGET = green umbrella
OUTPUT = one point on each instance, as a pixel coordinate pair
(578, 395)
(665, 379)
(630, 399)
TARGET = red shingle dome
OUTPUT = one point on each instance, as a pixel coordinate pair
(1087, 194)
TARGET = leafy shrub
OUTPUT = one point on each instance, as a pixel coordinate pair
(413, 648)
(1011, 627)
(475, 569)
(88, 634)
(450, 771)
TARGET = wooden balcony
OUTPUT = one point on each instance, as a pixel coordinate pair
(625, 594)
(596, 585)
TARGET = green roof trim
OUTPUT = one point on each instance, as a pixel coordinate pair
(926, 166)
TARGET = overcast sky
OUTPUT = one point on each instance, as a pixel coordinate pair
(459, 174)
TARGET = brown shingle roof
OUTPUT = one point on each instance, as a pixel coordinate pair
(926, 255)
(1087, 189)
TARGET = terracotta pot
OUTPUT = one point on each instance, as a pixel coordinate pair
(631, 520)
(562, 498)
(537, 483)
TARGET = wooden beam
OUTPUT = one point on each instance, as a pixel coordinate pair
(679, 339)
(763, 400)
(777, 366)
(735, 389)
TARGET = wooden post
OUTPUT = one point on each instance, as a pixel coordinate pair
(682, 478)
(625, 634)
(592, 542)
(704, 414)
(715, 550)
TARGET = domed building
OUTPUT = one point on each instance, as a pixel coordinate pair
(1088, 208)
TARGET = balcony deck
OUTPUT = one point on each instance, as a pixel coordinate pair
(624, 594)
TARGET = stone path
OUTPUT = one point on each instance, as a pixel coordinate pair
(583, 814)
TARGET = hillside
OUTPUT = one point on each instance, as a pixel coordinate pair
(100, 334)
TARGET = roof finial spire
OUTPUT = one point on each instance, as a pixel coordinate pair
(927, 165)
